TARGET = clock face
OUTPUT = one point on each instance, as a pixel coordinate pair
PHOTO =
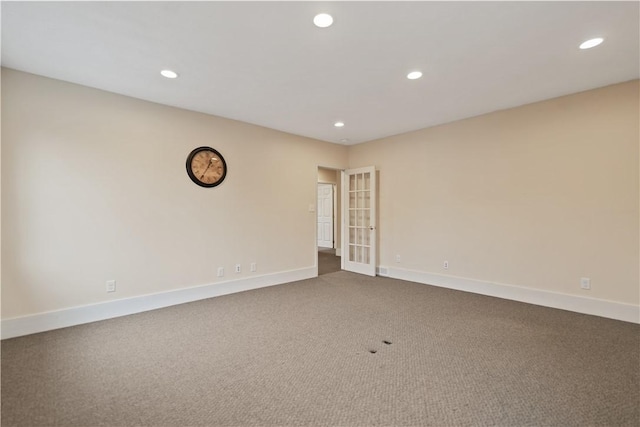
(206, 167)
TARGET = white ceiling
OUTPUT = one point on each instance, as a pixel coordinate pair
(266, 63)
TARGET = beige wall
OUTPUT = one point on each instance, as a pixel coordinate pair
(94, 188)
(327, 176)
(536, 196)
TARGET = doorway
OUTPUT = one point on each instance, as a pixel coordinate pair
(329, 229)
(355, 221)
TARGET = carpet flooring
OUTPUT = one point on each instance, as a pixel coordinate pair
(338, 350)
(328, 262)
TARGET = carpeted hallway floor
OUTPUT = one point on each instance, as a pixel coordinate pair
(328, 262)
(338, 350)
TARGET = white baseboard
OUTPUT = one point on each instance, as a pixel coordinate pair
(579, 304)
(42, 322)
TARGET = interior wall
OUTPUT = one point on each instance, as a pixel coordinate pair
(94, 188)
(537, 196)
(326, 176)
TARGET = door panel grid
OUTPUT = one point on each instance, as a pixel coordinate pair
(359, 217)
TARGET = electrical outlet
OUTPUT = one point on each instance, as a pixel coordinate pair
(238, 268)
(220, 271)
(445, 265)
(111, 285)
(585, 283)
(398, 259)
(254, 267)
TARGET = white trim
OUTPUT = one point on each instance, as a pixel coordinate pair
(339, 252)
(41, 322)
(579, 304)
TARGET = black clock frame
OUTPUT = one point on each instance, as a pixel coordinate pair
(195, 178)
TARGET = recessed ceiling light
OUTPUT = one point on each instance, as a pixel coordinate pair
(169, 74)
(338, 124)
(345, 140)
(591, 43)
(414, 75)
(323, 20)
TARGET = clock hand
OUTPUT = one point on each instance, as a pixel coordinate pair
(205, 171)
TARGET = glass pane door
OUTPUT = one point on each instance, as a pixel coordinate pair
(359, 221)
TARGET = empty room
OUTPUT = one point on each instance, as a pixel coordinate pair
(320, 213)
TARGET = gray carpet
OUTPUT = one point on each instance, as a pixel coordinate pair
(313, 353)
(328, 262)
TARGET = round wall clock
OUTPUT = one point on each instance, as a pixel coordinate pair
(206, 167)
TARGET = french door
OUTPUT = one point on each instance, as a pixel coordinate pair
(359, 220)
